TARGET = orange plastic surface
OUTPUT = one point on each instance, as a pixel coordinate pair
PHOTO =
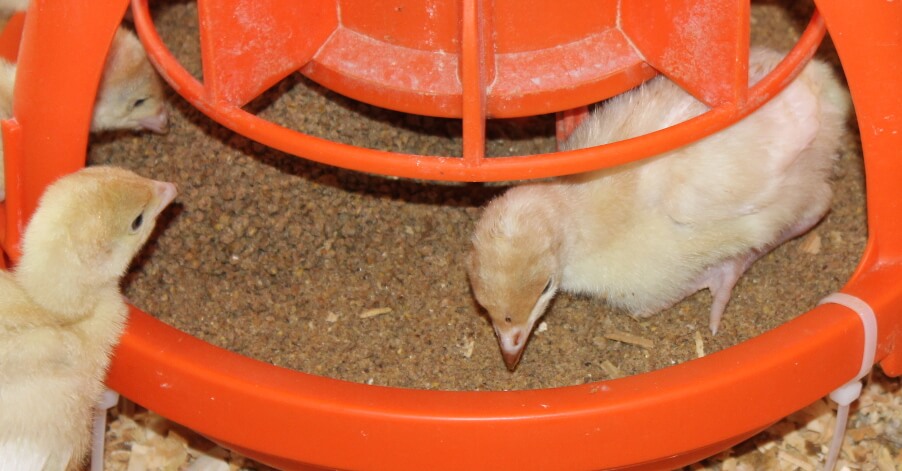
(472, 167)
(658, 420)
(700, 45)
(11, 210)
(60, 62)
(11, 36)
(477, 70)
(246, 48)
(869, 43)
(402, 54)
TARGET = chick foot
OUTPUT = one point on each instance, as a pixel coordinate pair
(720, 280)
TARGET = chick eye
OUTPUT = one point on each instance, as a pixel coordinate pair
(138, 102)
(547, 286)
(507, 319)
(136, 224)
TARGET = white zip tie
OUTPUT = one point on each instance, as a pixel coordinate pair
(109, 399)
(849, 392)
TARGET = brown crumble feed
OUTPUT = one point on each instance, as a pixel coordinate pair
(279, 257)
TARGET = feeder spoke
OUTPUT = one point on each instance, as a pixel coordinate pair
(249, 45)
(52, 41)
(700, 45)
(567, 121)
(475, 67)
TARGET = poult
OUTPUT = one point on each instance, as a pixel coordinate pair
(61, 312)
(645, 235)
(130, 95)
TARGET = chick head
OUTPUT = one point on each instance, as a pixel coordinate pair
(130, 94)
(514, 267)
(88, 227)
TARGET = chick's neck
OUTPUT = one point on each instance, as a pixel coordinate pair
(65, 289)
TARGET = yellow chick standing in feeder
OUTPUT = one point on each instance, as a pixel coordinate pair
(61, 312)
(645, 235)
(130, 95)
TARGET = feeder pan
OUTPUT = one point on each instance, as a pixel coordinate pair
(657, 420)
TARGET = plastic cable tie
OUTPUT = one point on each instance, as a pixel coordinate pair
(849, 392)
(868, 321)
(109, 399)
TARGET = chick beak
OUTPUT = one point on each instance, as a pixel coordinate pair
(158, 123)
(165, 192)
(512, 341)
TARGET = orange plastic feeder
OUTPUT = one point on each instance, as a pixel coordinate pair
(475, 60)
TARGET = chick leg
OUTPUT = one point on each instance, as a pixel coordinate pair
(720, 279)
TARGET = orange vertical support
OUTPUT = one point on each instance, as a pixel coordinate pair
(476, 71)
(11, 36)
(249, 45)
(869, 43)
(61, 57)
(12, 215)
(567, 121)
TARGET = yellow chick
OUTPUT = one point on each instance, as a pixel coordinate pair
(130, 95)
(10, 7)
(643, 236)
(61, 312)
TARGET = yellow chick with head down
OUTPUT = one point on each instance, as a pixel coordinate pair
(61, 312)
(645, 235)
